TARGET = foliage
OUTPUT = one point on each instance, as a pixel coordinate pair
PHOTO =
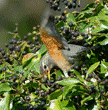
(23, 87)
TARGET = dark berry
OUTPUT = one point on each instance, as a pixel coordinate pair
(56, 4)
(51, 1)
(15, 31)
(82, 34)
(29, 41)
(95, 76)
(65, 2)
(10, 41)
(28, 105)
(90, 90)
(7, 59)
(63, 14)
(63, 18)
(14, 83)
(66, 29)
(10, 78)
(76, 77)
(37, 92)
(88, 79)
(6, 45)
(85, 71)
(24, 53)
(99, 80)
(72, 32)
(92, 86)
(71, 75)
(11, 48)
(1, 49)
(55, 21)
(86, 36)
(77, 67)
(78, 5)
(64, 33)
(4, 68)
(69, 5)
(1, 63)
(42, 103)
(106, 80)
(32, 46)
(18, 48)
(35, 107)
(90, 75)
(1, 71)
(31, 107)
(47, 1)
(103, 82)
(36, 100)
(76, 34)
(37, 43)
(3, 52)
(70, 24)
(52, 89)
(42, 94)
(61, 28)
(73, 5)
(74, 1)
(14, 78)
(15, 41)
(59, 9)
(28, 98)
(102, 90)
(2, 81)
(1, 57)
(38, 89)
(36, 39)
(57, 1)
(25, 37)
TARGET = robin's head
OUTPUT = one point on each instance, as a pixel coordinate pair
(46, 63)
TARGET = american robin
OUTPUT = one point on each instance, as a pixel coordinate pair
(60, 53)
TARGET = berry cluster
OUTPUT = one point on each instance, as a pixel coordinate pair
(55, 4)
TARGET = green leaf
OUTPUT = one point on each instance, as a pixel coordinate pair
(34, 64)
(18, 68)
(92, 68)
(42, 50)
(26, 59)
(70, 18)
(5, 102)
(64, 105)
(69, 81)
(55, 94)
(104, 42)
(86, 99)
(5, 87)
(66, 90)
(79, 76)
(104, 66)
(61, 23)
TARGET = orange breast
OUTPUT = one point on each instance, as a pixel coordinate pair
(53, 48)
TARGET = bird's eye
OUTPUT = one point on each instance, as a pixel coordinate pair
(45, 66)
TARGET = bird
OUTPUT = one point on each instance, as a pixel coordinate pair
(59, 52)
